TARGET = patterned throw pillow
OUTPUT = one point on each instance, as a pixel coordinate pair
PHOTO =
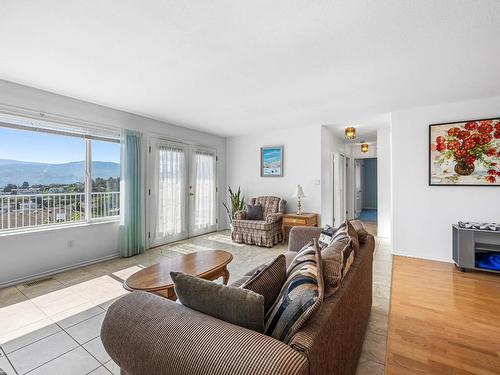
(268, 281)
(300, 296)
(345, 231)
(360, 229)
(326, 236)
(337, 260)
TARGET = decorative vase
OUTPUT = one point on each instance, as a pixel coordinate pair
(464, 169)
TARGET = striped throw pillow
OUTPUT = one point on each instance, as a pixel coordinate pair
(300, 296)
(268, 281)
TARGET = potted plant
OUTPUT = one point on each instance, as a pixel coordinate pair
(237, 203)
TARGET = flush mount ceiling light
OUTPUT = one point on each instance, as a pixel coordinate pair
(364, 147)
(350, 133)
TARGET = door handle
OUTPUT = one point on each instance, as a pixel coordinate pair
(191, 194)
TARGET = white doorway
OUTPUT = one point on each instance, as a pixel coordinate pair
(358, 187)
(339, 188)
(182, 191)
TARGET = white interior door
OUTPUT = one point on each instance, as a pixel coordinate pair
(202, 192)
(358, 188)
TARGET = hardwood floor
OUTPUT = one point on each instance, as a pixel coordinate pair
(442, 321)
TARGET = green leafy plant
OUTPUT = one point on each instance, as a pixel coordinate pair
(237, 203)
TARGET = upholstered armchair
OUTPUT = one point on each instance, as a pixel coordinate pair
(266, 232)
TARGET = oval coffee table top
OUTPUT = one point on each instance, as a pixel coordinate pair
(157, 276)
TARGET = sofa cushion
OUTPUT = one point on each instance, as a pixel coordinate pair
(300, 296)
(252, 224)
(360, 230)
(268, 281)
(254, 212)
(345, 231)
(337, 259)
(234, 305)
(325, 238)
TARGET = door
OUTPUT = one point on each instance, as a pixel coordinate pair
(358, 191)
(168, 193)
(182, 191)
(339, 185)
(202, 192)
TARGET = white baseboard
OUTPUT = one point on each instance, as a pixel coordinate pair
(423, 258)
(54, 271)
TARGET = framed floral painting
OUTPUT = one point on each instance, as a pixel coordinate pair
(465, 153)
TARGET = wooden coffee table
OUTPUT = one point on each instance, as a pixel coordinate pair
(208, 265)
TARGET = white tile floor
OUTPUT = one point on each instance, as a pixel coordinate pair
(53, 327)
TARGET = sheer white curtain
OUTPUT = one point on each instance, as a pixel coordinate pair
(204, 199)
(171, 190)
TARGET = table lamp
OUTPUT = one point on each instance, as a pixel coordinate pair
(299, 194)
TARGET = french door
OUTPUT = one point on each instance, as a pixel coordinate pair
(182, 191)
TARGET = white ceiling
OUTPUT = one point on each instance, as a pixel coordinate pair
(235, 67)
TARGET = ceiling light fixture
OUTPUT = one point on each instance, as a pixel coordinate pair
(364, 147)
(350, 133)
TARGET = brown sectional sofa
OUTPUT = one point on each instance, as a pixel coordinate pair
(147, 334)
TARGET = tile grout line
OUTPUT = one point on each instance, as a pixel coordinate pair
(84, 320)
(60, 355)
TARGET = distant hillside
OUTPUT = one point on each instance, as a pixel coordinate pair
(16, 172)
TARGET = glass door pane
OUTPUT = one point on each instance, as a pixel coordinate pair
(202, 192)
(168, 195)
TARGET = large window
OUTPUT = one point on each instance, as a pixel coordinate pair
(56, 177)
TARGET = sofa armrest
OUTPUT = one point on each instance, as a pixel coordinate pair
(300, 236)
(147, 334)
(274, 217)
(240, 215)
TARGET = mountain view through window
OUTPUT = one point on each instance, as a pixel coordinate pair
(43, 179)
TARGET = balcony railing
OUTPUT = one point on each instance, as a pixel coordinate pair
(35, 210)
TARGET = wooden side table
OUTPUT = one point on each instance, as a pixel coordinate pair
(292, 220)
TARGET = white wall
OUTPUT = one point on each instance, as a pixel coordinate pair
(384, 176)
(302, 165)
(422, 214)
(24, 255)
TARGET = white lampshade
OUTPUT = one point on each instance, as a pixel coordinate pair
(299, 193)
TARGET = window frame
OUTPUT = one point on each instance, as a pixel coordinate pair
(88, 137)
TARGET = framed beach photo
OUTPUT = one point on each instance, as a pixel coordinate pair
(465, 153)
(271, 161)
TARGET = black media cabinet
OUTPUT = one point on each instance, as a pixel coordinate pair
(470, 246)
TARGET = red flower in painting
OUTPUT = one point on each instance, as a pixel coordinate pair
(497, 134)
(470, 159)
(491, 152)
(497, 126)
(453, 145)
(440, 139)
(440, 147)
(460, 153)
(469, 143)
(485, 139)
(498, 174)
(471, 125)
(463, 134)
(492, 172)
(476, 137)
(491, 179)
(453, 132)
(485, 127)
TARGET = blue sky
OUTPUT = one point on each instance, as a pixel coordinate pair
(272, 155)
(54, 149)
